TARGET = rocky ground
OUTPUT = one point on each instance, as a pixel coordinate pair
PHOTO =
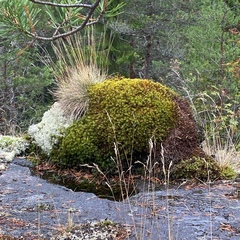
(32, 208)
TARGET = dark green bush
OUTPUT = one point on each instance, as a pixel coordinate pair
(122, 112)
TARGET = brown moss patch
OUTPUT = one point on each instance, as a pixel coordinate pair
(183, 140)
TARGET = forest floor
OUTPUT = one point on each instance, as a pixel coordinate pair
(32, 208)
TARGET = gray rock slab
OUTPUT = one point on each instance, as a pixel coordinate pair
(30, 206)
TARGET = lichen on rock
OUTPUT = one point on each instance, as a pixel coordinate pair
(45, 133)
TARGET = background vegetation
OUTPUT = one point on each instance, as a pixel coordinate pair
(191, 46)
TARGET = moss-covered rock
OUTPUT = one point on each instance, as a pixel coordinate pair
(123, 115)
(182, 141)
(79, 147)
(129, 112)
(200, 168)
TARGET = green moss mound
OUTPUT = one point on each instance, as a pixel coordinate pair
(130, 112)
(200, 168)
(79, 147)
(123, 115)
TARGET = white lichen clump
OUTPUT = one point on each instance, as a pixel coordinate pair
(45, 134)
(11, 146)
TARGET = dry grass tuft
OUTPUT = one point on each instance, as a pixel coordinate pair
(80, 64)
(224, 155)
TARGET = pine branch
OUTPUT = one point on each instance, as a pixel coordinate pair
(64, 5)
(87, 21)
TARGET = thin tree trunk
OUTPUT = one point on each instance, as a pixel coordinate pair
(147, 57)
(131, 65)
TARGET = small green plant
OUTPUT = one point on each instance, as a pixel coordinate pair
(106, 223)
(227, 172)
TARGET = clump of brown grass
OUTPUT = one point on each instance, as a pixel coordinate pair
(80, 64)
(226, 156)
